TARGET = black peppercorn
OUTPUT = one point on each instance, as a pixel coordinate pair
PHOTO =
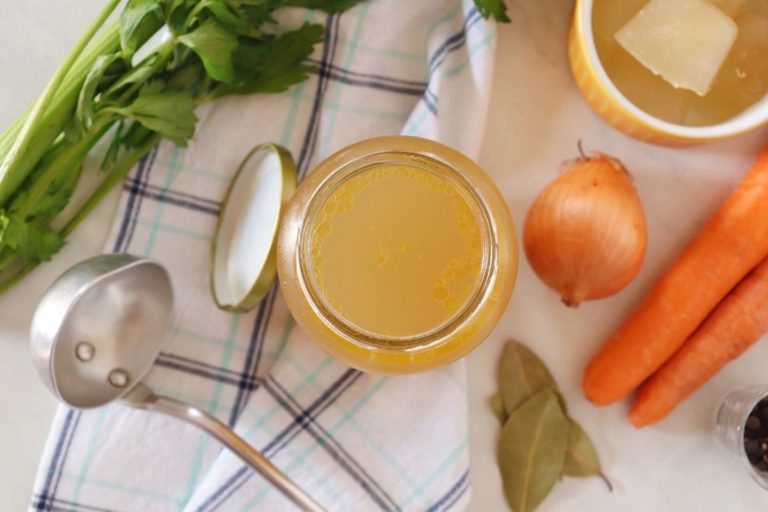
(763, 411)
(756, 436)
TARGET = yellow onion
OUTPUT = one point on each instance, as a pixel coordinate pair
(585, 235)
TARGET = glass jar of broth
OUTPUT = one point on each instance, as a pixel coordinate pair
(397, 255)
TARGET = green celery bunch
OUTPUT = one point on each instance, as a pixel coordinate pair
(215, 48)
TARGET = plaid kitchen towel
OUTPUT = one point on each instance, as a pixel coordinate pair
(355, 442)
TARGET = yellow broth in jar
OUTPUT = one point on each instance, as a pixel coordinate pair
(397, 251)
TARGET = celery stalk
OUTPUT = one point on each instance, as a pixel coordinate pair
(71, 156)
(44, 122)
(19, 148)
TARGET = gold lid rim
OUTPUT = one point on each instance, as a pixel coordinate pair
(268, 273)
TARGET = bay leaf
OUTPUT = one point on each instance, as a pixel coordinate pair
(531, 450)
(521, 375)
(580, 455)
(497, 404)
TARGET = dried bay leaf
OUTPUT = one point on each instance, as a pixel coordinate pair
(497, 404)
(580, 455)
(531, 450)
(528, 393)
(521, 375)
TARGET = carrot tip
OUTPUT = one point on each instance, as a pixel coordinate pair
(571, 302)
(640, 419)
(596, 391)
(635, 421)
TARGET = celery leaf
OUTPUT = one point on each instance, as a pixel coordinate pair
(495, 9)
(30, 242)
(170, 113)
(138, 22)
(215, 46)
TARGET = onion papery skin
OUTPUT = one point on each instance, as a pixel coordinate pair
(586, 234)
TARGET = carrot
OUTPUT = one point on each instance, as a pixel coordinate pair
(735, 325)
(734, 240)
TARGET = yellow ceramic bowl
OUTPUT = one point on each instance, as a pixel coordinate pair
(611, 105)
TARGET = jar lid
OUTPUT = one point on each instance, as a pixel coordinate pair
(244, 243)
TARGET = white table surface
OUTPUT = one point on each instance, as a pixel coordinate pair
(537, 116)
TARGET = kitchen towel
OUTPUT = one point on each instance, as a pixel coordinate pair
(354, 441)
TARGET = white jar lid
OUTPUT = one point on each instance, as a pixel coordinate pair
(243, 250)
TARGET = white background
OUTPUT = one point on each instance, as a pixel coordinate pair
(536, 118)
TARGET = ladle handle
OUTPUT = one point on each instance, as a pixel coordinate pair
(228, 438)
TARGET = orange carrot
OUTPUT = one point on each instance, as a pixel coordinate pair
(731, 244)
(735, 325)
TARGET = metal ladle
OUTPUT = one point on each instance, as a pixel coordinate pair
(98, 330)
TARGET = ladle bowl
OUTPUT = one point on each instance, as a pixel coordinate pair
(98, 330)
